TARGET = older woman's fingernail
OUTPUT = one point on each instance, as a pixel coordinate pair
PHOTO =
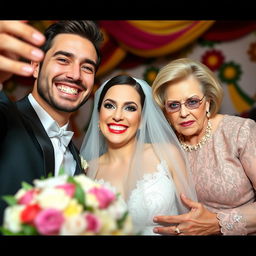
(155, 230)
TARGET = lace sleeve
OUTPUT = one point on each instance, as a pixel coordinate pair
(232, 223)
(241, 220)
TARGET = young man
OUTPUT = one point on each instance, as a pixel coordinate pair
(33, 131)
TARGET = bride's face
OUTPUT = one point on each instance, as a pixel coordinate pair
(120, 115)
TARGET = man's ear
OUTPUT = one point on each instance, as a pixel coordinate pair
(35, 66)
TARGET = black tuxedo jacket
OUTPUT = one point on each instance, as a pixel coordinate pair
(26, 151)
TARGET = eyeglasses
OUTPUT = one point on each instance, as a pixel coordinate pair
(190, 103)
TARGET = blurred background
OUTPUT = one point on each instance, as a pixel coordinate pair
(141, 47)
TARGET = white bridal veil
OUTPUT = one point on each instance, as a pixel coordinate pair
(155, 131)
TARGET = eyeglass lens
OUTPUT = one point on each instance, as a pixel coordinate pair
(190, 103)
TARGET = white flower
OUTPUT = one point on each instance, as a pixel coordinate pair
(108, 224)
(85, 182)
(53, 198)
(12, 218)
(51, 182)
(74, 225)
(84, 163)
(117, 209)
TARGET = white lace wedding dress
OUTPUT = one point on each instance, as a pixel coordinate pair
(154, 195)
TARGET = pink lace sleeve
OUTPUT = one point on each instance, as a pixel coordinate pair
(232, 222)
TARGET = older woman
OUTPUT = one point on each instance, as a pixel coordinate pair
(221, 150)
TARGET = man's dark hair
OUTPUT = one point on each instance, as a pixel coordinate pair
(84, 28)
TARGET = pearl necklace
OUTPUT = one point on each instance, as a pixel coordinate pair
(207, 135)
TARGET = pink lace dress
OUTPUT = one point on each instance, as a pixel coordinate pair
(224, 171)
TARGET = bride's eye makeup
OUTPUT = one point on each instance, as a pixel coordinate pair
(109, 105)
(131, 108)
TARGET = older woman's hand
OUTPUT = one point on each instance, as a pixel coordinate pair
(18, 39)
(199, 221)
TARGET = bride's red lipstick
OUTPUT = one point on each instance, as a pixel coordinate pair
(117, 128)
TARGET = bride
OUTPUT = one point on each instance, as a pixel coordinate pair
(131, 148)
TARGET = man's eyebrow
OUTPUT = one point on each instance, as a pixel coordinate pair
(69, 54)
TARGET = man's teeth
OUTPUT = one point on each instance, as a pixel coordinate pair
(116, 127)
(67, 89)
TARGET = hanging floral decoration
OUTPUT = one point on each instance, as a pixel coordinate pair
(230, 72)
(252, 51)
(213, 59)
(150, 74)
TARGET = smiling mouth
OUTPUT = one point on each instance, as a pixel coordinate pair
(117, 128)
(68, 89)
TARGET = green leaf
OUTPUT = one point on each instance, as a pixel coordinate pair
(62, 171)
(121, 221)
(79, 192)
(50, 175)
(7, 232)
(10, 200)
(42, 177)
(29, 230)
(26, 185)
(71, 180)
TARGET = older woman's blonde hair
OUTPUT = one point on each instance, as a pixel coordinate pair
(180, 69)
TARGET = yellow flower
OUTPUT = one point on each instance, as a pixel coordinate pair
(92, 201)
(73, 208)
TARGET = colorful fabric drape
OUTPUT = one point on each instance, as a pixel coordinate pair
(229, 30)
(156, 38)
(146, 38)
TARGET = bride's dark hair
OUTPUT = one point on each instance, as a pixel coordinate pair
(122, 80)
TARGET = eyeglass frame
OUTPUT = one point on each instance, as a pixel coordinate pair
(184, 103)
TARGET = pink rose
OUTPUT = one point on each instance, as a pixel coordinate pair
(27, 197)
(49, 221)
(103, 195)
(93, 223)
(69, 188)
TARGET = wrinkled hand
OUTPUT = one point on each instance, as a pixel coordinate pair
(18, 39)
(199, 221)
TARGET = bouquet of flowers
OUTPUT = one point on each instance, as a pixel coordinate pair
(66, 205)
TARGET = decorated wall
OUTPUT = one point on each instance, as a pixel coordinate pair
(141, 48)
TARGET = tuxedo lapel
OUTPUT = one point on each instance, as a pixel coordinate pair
(34, 125)
(76, 156)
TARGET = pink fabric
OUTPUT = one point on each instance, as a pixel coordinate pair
(224, 171)
(138, 39)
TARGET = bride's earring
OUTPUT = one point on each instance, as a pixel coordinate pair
(208, 114)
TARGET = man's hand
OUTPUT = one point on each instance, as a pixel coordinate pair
(18, 39)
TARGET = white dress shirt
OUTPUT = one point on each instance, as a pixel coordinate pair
(62, 154)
